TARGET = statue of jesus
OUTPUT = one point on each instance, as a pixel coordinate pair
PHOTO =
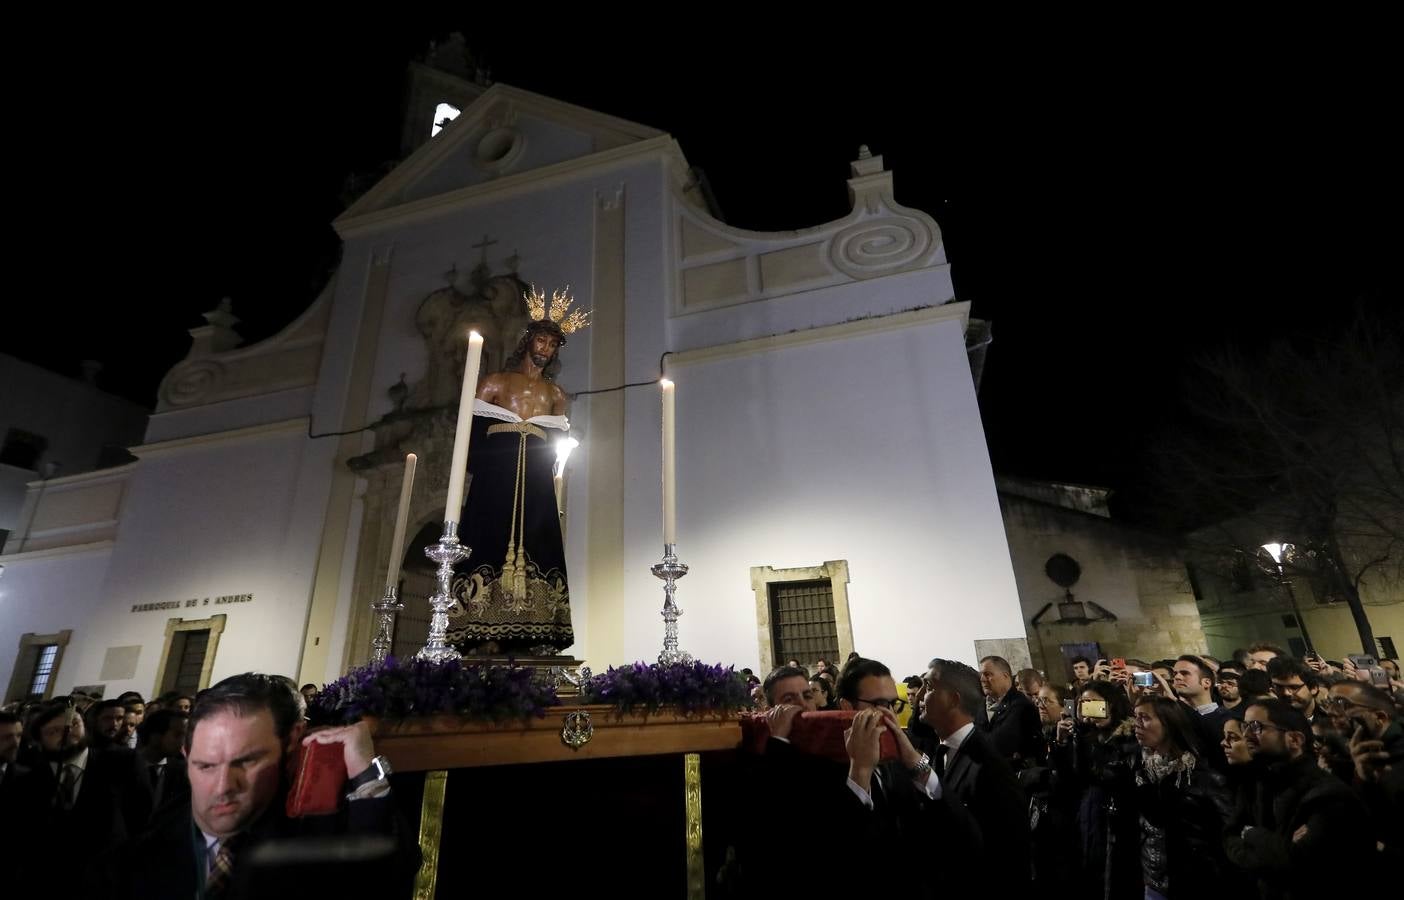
(512, 593)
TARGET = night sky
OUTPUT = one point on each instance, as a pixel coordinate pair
(1114, 210)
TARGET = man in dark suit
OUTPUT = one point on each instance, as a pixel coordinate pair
(1013, 725)
(234, 839)
(964, 803)
(77, 796)
(11, 731)
(160, 743)
(982, 813)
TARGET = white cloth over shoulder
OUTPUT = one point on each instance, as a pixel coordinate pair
(493, 411)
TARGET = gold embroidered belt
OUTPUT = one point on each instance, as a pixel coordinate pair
(518, 428)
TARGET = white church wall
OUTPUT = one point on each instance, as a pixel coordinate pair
(245, 412)
(531, 143)
(423, 253)
(341, 618)
(49, 592)
(809, 309)
(868, 450)
(203, 521)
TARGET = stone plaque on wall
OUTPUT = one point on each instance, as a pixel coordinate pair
(120, 663)
(1015, 650)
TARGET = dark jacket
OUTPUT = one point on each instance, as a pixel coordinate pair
(1093, 785)
(984, 810)
(380, 862)
(170, 786)
(979, 820)
(1015, 731)
(1385, 798)
(1287, 796)
(1182, 823)
(114, 803)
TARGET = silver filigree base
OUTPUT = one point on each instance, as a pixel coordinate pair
(385, 609)
(447, 553)
(670, 570)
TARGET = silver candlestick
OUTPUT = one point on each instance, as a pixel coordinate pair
(670, 570)
(385, 609)
(447, 552)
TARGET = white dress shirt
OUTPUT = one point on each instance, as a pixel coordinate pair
(931, 787)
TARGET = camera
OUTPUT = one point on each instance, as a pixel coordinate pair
(1143, 679)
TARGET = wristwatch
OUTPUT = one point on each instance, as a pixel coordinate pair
(921, 769)
(378, 770)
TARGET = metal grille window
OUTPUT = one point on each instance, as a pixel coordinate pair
(802, 622)
(43, 671)
(190, 659)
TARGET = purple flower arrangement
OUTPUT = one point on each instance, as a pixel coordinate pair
(689, 687)
(399, 689)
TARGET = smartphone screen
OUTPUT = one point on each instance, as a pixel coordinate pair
(1094, 709)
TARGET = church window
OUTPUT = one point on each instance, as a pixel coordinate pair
(802, 621)
(44, 662)
(188, 657)
(36, 666)
(444, 113)
(802, 613)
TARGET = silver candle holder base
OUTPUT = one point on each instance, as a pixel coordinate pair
(385, 609)
(670, 570)
(447, 553)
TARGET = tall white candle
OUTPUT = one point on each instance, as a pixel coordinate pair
(670, 487)
(454, 504)
(397, 546)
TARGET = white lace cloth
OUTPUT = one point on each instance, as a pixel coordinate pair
(493, 411)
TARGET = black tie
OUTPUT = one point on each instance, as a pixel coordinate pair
(879, 791)
(940, 764)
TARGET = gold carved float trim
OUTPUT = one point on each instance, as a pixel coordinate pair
(431, 829)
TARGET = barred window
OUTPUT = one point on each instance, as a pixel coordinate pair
(44, 661)
(802, 624)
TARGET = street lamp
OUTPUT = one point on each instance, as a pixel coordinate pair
(1279, 552)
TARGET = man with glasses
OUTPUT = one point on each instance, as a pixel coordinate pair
(1296, 683)
(1296, 814)
(964, 800)
(1368, 715)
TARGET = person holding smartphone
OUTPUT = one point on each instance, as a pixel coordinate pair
(1093, 759)
(1371, 719)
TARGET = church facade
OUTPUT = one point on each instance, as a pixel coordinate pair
(834, 488)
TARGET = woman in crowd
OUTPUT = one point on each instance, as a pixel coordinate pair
(1093, 761)
(1182, 804)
